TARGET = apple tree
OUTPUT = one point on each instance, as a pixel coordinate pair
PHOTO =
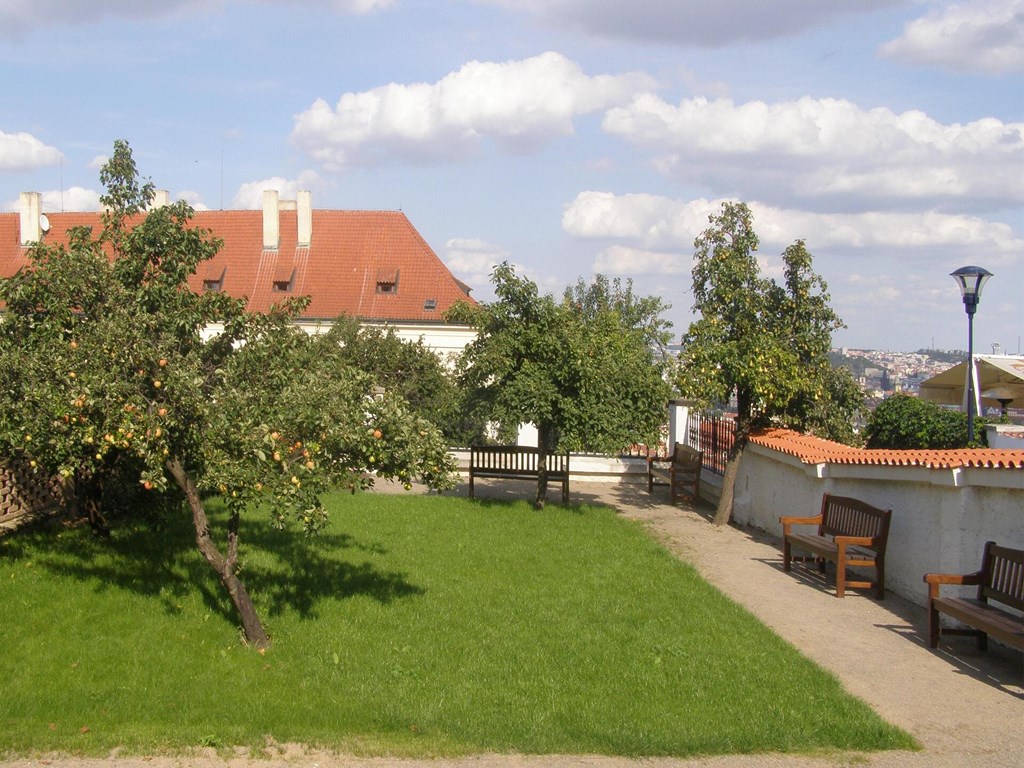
(104, 363)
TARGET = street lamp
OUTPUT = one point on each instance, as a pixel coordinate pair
(971, 280)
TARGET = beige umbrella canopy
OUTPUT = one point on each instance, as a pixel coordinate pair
(999, 381)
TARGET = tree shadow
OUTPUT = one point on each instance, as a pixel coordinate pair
(282, 569)
(308, 570)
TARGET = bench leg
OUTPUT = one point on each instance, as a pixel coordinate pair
(982, 641)
(840, 570)
(787, 555)
(933, 626)
(471, 485)
(880, 584)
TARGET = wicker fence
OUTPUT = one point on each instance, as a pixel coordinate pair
(25, 491)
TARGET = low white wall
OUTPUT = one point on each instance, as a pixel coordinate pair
(586, 467)
(941, 517)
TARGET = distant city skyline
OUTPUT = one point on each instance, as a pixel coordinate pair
(568, 137)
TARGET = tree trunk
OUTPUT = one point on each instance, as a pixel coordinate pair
(543, 438)
(88, 500)
(743, 407)
(724, 511)
(255, 634)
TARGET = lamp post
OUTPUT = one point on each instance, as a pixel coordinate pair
(971, 280)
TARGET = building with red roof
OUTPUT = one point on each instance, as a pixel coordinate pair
(372, 265)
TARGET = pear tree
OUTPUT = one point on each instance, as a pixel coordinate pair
(764, 342)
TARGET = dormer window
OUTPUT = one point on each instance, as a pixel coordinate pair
(283, 279)
(429, 305)
(387, 281)
(213, 278)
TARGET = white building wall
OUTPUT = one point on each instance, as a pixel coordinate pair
(941, 517)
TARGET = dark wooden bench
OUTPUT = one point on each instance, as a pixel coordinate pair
(680, 471)
(1000, 580)
(516, 462)
(851, 534)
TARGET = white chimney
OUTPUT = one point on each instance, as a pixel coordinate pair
(161, 197)
(271, 220)
(31, 205)
(305, 218)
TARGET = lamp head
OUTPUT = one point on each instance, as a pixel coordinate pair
(971, 280)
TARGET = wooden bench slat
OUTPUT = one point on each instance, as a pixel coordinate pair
(516, 462)
(1000, 580)
(851, 533)
(680, 471)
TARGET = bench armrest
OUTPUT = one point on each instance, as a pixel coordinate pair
(934, 580)
(857, 541)
(659, 459)
(788, 521)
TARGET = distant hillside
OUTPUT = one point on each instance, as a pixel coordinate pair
(855, 364)
(952, 357)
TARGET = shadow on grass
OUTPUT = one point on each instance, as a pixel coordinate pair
(283, 570)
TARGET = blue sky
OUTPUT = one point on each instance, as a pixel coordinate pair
(569, 137)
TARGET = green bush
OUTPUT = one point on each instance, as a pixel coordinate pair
(903, 422)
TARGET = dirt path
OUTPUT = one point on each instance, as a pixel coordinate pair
(965, 708)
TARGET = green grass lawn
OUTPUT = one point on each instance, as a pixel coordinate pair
(413, 626)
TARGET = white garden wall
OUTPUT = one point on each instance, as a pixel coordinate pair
(941, 517)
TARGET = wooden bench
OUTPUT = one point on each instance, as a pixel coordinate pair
(516, 462)
(1000, 580)
(680, 471)
(851, 534)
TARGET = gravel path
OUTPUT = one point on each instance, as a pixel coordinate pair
(964, 707)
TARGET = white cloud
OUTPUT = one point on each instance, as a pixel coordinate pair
(520, 105)
(624, 260)
(703, 23)
(826, 152)
(985, 36)
(98, 162)
(250, 194)
(650, 221)
(23, 151)
(472, 255)
(19, 17)
(193, 198)
(473, 260)
(57, 200)
(667, 224)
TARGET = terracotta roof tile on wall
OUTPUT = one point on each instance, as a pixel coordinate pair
(344, 269)
(814, 450)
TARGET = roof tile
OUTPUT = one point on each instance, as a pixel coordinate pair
(349, 252)
(815, 450)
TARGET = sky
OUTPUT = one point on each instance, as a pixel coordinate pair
(567, 137)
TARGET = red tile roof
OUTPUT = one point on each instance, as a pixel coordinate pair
(814, 450)
(350, 252)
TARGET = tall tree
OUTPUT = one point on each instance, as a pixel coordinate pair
(765, 342)
(414, 371)
(102, 360)
(584, 370)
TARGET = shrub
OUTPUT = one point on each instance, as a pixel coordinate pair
(903, 422)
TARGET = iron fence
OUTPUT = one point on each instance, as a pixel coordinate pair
(713, 433)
